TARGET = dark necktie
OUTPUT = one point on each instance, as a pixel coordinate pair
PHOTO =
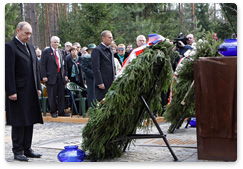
(27, 49)
(58, 69)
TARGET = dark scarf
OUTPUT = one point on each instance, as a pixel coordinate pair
(75, 70)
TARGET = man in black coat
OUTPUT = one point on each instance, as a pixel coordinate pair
(52, 73)
(22, 87)
(103, 65)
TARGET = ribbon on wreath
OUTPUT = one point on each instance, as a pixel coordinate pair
(152, 39)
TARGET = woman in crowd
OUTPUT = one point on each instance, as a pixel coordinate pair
(73, 70)
(121, 54)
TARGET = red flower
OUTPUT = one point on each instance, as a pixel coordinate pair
(51, 53)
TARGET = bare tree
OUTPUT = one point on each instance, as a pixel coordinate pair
(52, 19)
(43, 24)
(34, 24)
(193, 15)
(22, 11)
(29, 18)
(48, 37)
(181, 16)
(37, 23)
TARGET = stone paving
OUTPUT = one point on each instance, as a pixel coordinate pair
(51, 137)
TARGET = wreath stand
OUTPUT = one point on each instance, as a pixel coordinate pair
(148, 136)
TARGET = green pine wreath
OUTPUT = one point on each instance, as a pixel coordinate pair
(208, 47)
(117, 117)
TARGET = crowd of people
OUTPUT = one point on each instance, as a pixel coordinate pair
(92, 67)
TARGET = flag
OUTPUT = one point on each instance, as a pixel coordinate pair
(152, 39)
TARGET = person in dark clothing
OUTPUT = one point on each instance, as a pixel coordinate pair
(78, 48)
(22, 87)
(129, 48)
(52, 73)
(183, 48)
(73, 69)
(74, 72)
(65, 51)
(87, 68)
(103, 65)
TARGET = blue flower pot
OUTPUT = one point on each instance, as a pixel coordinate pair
(193, 122)
(228, 48)
(71, 154)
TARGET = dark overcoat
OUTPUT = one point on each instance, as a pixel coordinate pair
(68, 70)
(22, 77)
(87, 68)
(48, 66)
(103, 68)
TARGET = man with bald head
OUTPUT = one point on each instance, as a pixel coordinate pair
(22, 88)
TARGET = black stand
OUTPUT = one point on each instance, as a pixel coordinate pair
(148, 136)
(73, 101)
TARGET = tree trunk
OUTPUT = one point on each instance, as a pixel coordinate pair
(29, 18)
(47, 25)
(65, 11)
(22, 11)
(43, 24)
(193, 15)
(34, 25)
(37, 23)
(58, 17)
(181, 17)
(52, 19)
(55, 16)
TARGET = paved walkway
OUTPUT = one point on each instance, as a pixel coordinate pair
(51, 137)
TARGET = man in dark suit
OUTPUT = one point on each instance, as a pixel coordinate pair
(52, 73)
(22, 87)
(103, 65)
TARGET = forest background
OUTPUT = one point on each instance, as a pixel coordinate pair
(83, 22)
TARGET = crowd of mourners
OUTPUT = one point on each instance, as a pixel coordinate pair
(93, 68)
(75, 65)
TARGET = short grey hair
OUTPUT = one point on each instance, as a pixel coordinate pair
(76, 43)
(22, 24)
(55, 38)
(141, 36)
(68, 43)
(103, 34)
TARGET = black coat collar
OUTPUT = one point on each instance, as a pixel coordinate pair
(106, 51)
(22, 47)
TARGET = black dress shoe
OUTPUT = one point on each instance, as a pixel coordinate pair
(20, 158)
(54, 115)
(32, 155)
(64, 114)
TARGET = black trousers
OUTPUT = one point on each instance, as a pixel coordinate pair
(21, 139)
(54, 91)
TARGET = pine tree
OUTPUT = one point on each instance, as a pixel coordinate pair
(11, 20)
(202, 15)
(198, 31)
